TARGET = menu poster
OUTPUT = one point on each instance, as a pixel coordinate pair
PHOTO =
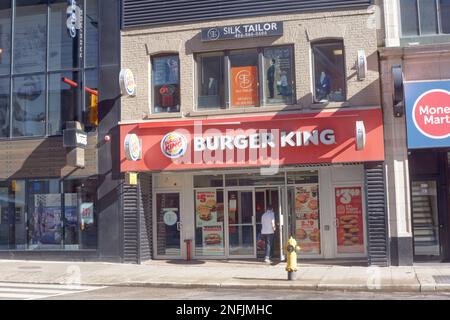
(307, 227)
(244, 88)
(350, 220)
(205, 208)
(213, 239)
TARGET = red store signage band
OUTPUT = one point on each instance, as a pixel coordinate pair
(324, 137)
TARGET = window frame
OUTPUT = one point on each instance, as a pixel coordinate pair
(83, 67)
(152, 82)
(328, 41)
(437, 4)
(227, 87)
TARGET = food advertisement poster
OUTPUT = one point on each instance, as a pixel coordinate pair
(213, 239)
(244, 89)
(205, 208)
(349, 220)
(307, 228)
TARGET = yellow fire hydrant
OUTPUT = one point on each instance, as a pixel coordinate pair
(291, 258)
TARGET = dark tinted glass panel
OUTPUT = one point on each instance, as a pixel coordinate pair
(91, 25)
(166, 84)
(4, 107)
(28, 106)
(408, 11)
(30, 36)
(5, 37)
(445, 15)
(428, 17)
(329, 72)
(62, 100)
(210, 81)
(63, 49)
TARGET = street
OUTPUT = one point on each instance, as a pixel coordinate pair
(146, 293)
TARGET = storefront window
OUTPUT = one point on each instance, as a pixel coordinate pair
(80, 230)
(4, 107)
(302, 177)
(208, 181)
(254, 180)
(166, 83)
(12, 215)
(210, 81)
(45, 221)
(44, 52)
(209, 223)
(5, 37)
(48, 214)
(329, 71)
(279, 73)
(28, 106)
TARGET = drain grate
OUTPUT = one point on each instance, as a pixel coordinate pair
(442, 279)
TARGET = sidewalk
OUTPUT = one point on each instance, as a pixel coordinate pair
(229, 274)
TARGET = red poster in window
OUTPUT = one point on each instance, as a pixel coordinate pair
(349, 218)
(244, 86)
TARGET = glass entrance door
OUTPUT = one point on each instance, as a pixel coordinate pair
(425, 219)
(241, 223)
(168, 227)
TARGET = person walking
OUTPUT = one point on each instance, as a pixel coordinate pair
(267, 231)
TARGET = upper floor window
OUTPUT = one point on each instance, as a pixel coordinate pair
(329, 71)
(245, 78)
(425, 17)
(166, 83)
(37, 52)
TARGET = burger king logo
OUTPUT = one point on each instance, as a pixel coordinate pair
(174, 145)
(133, 147)
(431, 114)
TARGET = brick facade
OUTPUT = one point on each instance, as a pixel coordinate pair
(355, 28)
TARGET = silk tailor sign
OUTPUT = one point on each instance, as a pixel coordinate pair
(260, 141)
(428, 114)
(242, 31)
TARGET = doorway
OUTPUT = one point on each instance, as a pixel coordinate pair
(263, 198)
(426, 220)
(168, 225)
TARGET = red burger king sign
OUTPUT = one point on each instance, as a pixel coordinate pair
(428, 114)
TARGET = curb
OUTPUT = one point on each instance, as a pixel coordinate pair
(413, 288)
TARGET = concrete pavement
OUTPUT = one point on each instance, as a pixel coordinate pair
(229, 274)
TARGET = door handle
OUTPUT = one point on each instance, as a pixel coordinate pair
(179, 226)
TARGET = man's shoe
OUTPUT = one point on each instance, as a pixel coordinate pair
(267, 260)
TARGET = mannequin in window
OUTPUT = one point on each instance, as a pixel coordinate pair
(271, 78)
(212, 87)
(323, 86)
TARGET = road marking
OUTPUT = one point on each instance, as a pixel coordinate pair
(28, 291)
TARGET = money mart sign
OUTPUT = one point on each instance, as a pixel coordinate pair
(326, 137)
(241, 31)
(427, 107)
